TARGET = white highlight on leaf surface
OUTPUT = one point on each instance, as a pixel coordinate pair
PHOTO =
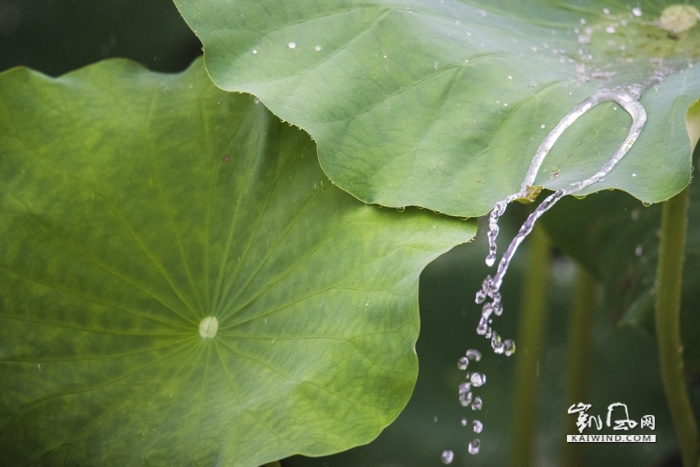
(678, 18)
(208, 327)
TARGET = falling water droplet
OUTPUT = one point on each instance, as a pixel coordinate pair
(463, 363)
(477, 379)
(464, 388)
(473, 354)
(478, 426)
(292, 45)
(465, 399)
(606, 11)
(318, 48)
(610, 29)
(447, 457)
(638, 251)
(509, 346)
(490, 259)
(636, 11)
(474, 446)
(464, 422)
(542, 126)
(255, 51)
(477, 404)
(497, 344)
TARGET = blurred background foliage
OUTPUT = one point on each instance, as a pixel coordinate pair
(611, 234)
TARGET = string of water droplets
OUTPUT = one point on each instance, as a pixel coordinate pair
(628, 100)
(466, 398)
(491, 286)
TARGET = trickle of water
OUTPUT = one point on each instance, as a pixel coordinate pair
(447, 457)
(464, 422)
(477, 379)
(491, 285)
(474, 446)
(477, 404)
(465, 399)
(463, 363)
(473, 354)
(477, 426)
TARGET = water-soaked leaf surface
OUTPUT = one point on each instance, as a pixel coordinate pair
(442, 103)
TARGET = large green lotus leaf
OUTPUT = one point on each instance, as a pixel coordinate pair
(616, 239)
(443, 104)
(135, 206)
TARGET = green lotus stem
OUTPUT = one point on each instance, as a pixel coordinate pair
(669, 275)
(580, 348)
(531, 335)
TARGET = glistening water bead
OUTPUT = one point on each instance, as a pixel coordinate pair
(473, 354)
(477, 404)
(465, 398)
(474, 446)
(477, 379)
(447, 457)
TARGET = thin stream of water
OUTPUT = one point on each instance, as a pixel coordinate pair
(491, 286)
